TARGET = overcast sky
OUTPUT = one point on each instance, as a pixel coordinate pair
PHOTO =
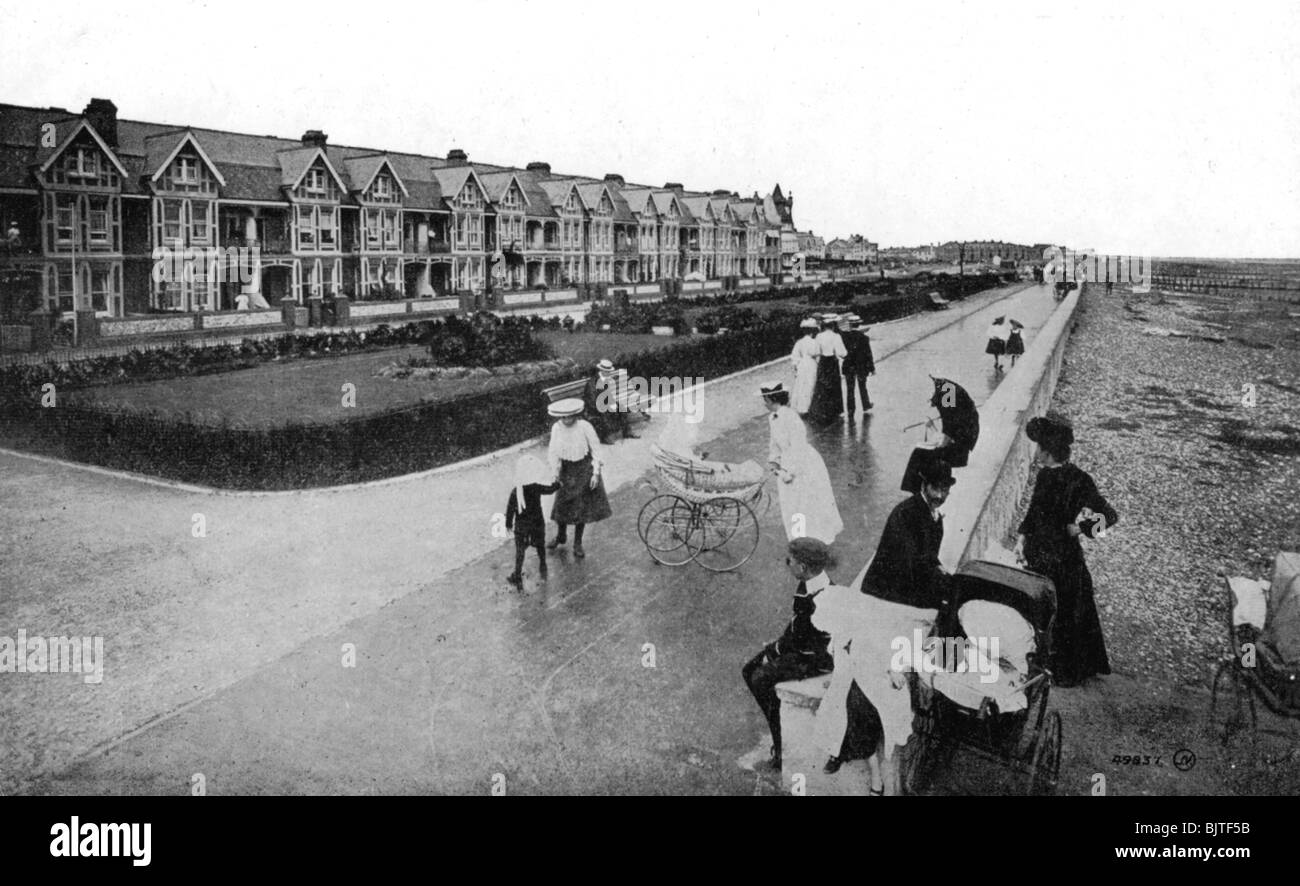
(1170, 130)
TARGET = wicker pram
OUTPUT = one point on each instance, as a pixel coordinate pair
(699, 481)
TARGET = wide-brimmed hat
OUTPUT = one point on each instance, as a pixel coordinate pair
(811, 552)
(772, 390)
(808, 323)
(936, 472)
(565, 408)
(1052, 429)
(605, 366)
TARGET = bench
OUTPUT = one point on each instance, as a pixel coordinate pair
(800, 756)
(938, 302)
(626, 399)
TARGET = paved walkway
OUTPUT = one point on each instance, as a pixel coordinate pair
(227, 648)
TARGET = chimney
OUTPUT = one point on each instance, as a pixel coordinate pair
(457, 157)
(674, 186)
(615, 178)
(102, 114)
(314, 138)
(722, 192)
(539, 167)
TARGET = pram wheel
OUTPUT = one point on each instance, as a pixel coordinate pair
(1228, 715)
(671, 531)
(728, 534)
(1047, 758)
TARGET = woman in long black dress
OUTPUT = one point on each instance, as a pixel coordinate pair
(1065, 505)
(828, 396)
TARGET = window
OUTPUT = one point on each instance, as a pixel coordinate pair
(383, 187)
(83, 163)
(64, 289)
(389, 220)
(200, 222)
(65, 218)
(315, 181)
(98, 221)
(372, 227)
(306, 227)
(186, 171)
(328, 226)
(173, 212)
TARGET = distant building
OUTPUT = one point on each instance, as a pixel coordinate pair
(811, 245)
(910, 253)
(854, 249)
(987, 250)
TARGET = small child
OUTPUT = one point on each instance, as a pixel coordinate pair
(524, 514)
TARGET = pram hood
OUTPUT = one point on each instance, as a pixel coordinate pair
(1032, 595)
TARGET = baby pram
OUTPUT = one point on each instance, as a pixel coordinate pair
(1264, 635)
(991, 702)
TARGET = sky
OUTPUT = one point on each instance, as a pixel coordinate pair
(1161, 129)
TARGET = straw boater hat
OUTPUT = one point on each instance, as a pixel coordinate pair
(808, 323)
(605, 367)
(773, 389)
(565, 408)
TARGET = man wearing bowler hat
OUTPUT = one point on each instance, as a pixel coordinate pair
(858, 364)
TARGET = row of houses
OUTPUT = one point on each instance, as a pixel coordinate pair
(92, 202)
(855, 248)
(987, 250)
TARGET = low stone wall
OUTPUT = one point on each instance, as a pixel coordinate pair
(239, 319)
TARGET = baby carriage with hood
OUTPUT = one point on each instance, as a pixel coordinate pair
(1264, 634)
(988, 681)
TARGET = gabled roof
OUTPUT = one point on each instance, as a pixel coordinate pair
(65, 133)
(497, 185)
(722, 211)
(638, 199)
(745, 210)
(363, 168)
(700, 207)
(162, 148)
(558, 192)
(592, 192)
(295, 162)
(451, 180)
(539, 202)
(771, 214)
(664, 201)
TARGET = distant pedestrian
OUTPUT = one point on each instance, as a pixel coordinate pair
(524, 514)
(804, 357)
(858, 364)
(576, 462)
(828, 397)
(998, 334)
(1015, 341)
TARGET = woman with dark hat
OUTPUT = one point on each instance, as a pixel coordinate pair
(999, 332)
(1065, 505)
(1015, 341)
(576, 462)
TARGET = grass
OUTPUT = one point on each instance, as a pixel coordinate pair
(313, 390)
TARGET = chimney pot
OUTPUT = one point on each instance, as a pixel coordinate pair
(314, 138)
(615, 178)
(457, 157)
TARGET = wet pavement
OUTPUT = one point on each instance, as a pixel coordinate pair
(617, 676)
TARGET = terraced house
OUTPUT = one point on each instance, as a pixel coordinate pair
(90, 202)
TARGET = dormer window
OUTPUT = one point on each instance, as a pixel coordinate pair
(383, 187)
(315, 182)
(83, 163)
(186, 171)
(513, 199)
(469, 198)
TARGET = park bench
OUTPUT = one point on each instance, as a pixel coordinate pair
(938, 302)
(625, 398)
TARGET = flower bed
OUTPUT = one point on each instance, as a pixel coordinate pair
(367, 446)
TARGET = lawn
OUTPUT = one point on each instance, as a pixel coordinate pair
(312, 390)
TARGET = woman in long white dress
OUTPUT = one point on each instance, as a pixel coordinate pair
(807, 500)
(804, 357)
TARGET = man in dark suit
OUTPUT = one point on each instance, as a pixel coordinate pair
(604, 412)
(858, 364)
(906, 567)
